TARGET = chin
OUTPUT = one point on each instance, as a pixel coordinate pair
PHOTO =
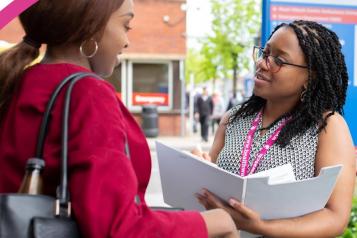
(259, 94)
(104, 72)
(101, 68)
(256, 92)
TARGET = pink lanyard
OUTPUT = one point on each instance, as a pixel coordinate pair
(263, 151)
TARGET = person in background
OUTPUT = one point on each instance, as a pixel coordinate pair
(196, 116)
(218, 110)
(295, 115)
(237, 98)
(86, 36)
(204, 109)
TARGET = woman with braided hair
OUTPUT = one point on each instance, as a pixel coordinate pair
(109, 159)
(300, 89)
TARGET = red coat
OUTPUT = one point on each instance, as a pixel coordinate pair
(103, 181)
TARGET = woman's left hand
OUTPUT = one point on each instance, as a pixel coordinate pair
(245, 218)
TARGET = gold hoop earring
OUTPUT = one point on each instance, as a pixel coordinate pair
(95, 48)
(302, 95)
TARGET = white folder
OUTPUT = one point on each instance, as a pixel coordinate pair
(273, 194)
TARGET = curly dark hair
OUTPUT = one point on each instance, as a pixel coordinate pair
(327, 81)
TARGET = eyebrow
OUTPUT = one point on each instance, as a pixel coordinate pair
(281, 52)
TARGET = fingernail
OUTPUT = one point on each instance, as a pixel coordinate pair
(232, 202)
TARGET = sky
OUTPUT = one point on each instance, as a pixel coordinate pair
(198, 21)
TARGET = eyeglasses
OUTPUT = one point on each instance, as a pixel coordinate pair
(273, 63)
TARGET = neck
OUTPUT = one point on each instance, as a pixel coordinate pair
(56, 55)
(274, 110)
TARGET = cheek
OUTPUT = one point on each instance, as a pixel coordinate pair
(113, 42)
(289, 83)
(104, 61)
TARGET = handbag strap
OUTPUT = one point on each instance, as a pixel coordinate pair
(47, 114)
(62, 196)
(62, 190)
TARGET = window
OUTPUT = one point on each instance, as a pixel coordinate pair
(116, 80)
(151, 84)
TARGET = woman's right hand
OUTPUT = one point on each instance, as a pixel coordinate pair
(198, 152)
(220, 224)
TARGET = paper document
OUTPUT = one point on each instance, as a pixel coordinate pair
(280, 174)
(273, 193)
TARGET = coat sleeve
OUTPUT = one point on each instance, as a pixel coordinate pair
(103, 183)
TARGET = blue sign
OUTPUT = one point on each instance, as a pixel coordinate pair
(337, 15)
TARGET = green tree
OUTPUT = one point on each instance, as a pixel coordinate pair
(200, 64)
(227, 50)
(194, 65)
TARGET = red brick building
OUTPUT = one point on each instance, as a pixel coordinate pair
(152, 66)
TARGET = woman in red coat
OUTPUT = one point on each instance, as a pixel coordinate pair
(85, 35)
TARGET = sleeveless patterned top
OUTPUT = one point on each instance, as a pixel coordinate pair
(300, 152)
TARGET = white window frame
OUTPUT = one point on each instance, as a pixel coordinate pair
(130, 84)
(124, 81)
(123, 76)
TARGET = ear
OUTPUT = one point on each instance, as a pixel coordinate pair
(304, 87)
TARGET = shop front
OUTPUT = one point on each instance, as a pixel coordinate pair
(140, 82)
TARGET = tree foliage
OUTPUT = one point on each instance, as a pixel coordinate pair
(227, 49)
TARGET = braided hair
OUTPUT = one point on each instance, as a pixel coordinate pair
(327, 81)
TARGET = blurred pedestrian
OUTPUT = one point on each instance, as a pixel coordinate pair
(196, 116)
(233, 101)
(218, 110)
(204, 109)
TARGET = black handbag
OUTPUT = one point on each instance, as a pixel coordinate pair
(40, 216)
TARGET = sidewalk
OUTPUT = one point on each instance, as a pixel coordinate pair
(182, 143)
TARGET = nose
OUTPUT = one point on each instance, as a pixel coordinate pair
(127, 43)
(263, 64)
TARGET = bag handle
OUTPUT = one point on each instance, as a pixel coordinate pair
(62, 196)
(46, 117)
(62, 190)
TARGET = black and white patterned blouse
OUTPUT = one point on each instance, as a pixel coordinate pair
(300, 152)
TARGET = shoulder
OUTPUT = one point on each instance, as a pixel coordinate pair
(225, 119)
(230, 114)
(50, 75)
(335, 137)
(93, 94)
(94, 86)
(335, 123)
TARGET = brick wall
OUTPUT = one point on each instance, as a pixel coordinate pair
(169, 124)
(150, 34)
(152, 38)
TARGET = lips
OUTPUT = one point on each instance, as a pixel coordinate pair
(260, 76)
